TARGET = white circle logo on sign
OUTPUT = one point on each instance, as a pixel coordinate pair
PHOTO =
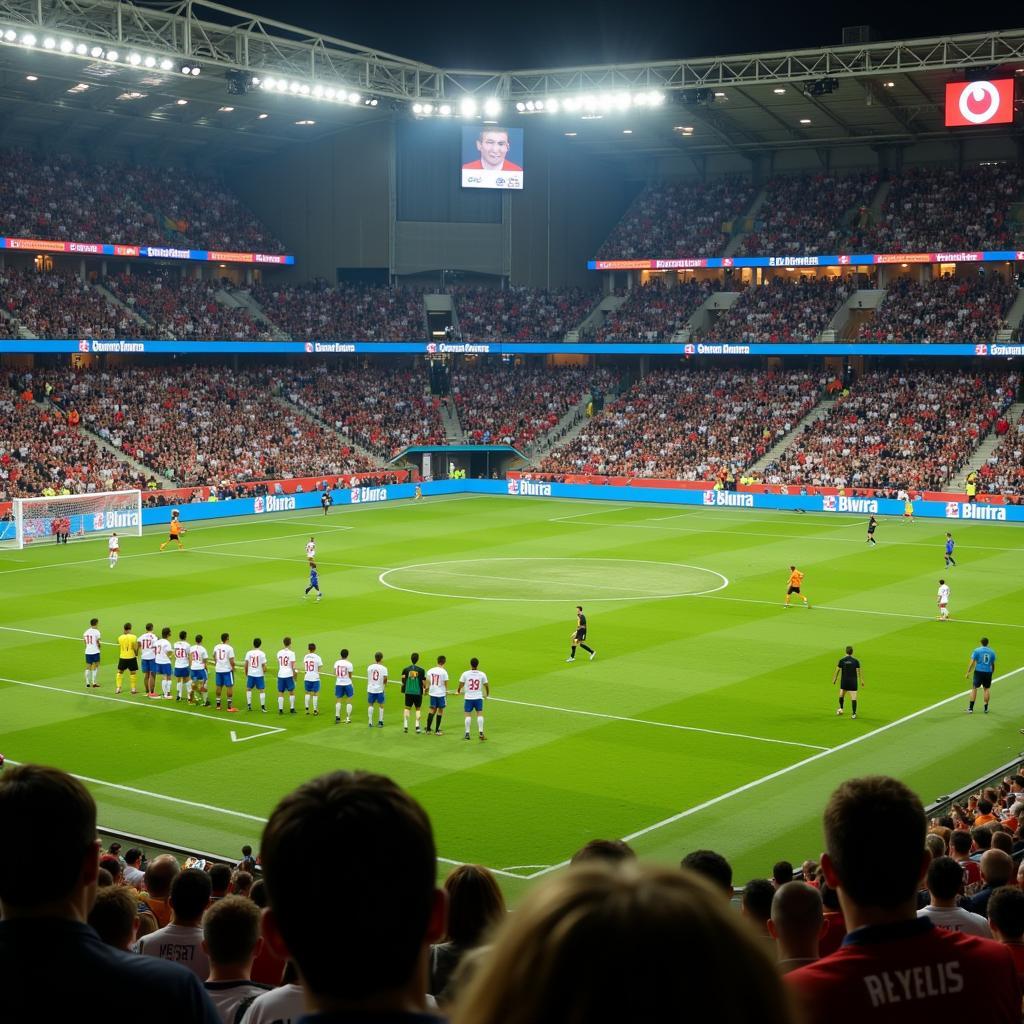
(979, 102)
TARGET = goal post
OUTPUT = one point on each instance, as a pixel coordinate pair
(88, 515)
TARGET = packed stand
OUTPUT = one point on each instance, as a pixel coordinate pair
(518, 405)
(345, 312)
(679, 220)
(518, 313)
(382, 408)
(944, 309)
(689, 425)
(1003, 472)
(804, 214)
(939, 209)
(899, 429)
(655, 311)
(56, 305)
(208, 425)
(66, 198)
(783, 310)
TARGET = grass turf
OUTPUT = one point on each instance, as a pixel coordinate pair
(707, 719)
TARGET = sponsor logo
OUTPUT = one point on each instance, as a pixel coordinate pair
(723, 350)
(84, 247)
(461, 346)
(309, 346)
(97, 521)
(116, 346)
(728, 498)
(280, 503)
(358, 495)
(959, 257)
(981, 350)
(903, 257)
(974, 103)
(513, 486)
(844, 504)
(681, 264)
(258, 506)
(229, 257)
(828, 503)
(689, 350)
(727, 261)
(330, 346)
(792, 261)
(529, 487)
(1020, 255)
(1006, 350)
(844, 261)
(970, 511)
(500, 182)
(431, 348)
(262, 257)
(114, 520)
(164, 253)
(952, 510)
(83, 346)
(473, 179)
(514, 181)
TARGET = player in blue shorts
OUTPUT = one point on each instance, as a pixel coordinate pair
(255, 673)
(198, 656)
(286, 677)
(376, 683)
(474, 684)
(950, 544)
(437, 690)
(343, 688)
(314, 582)
(983, 664)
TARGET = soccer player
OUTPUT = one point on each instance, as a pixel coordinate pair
(950, 544)
(181, 662)
(413, 678)
(417, 494)
(127, 657)
(908, 508)
(55, 524)
(796, 579)
(314, 581)
(92, 654)
(872, 524)
(579, 636)
(286, 676)
(943, 600)
(326, 501)
(437, 679)
(113, 550)
(198, 657)
(343, 686)
(474, 683)
(224, 671)
(147, 645)
(376, 681)
(848, 670)
(176, 531)
(255, 673)
(162, 668)
(983, 664)
(311, 665)
(311, 550)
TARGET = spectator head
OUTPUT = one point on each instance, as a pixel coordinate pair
(475, 904)
(133, 858)
(59, 814)
(231, 935)
(160, 875)
(712, 866)
(809, 869)
(866, 872)
(258, 893)
(756, 902)
(1002, 841)
(220, 880)
(984, 806)
(190, 895)
(112, 864)
(996, 868)
(241, 883)
(945, 880)
(362, 819)
(782, 872)
(115, 916)
(565, 952)
(1006, 914)
(934, 845)
(982, 837)
(960, 844)
(611, 850)
(104, 878)
(797, 920)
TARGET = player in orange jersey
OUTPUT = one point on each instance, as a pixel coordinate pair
(176, 532)
(796, 579)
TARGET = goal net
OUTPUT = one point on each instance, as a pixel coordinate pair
(38, 520)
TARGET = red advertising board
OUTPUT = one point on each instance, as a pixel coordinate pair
(978, 103)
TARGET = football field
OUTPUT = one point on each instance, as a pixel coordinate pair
(707, 718)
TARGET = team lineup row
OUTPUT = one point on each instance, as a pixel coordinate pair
(182, 665)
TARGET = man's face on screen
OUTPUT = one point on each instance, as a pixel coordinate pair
(493, 148)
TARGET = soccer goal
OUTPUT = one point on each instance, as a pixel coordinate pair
(34, 520)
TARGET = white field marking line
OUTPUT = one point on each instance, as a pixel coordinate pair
(596, 512)
(678, 515)
(783, 771)
(290, 558)
(218, 810)
(127, 702)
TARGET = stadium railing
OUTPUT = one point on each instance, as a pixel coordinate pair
(154, 847)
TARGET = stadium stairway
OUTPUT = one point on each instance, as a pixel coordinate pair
(861, 299)
(551, 441)
(22, 331)
(1015, 314)
(453, 432)
(958, 480)
(878, 202)
(110, 297)
(242, 298)
(702, 320)
(373, 457)
(820, 411)
(599, 315)
(121, 455)
(747, 222)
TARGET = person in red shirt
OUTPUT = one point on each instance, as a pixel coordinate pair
(492, 144)
(893, 966)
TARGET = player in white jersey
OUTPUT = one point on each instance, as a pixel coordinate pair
(437, 690)
(255, 673)
(147, 649)
(286, 676)
(224, 670)
(376, 681)
(162, 668)
(474, 684)
(943, 600)
(180, 662)
(311, 550)
(92, 654)
(311, 665)
(343, 686)
(113, 549)
(198, 656)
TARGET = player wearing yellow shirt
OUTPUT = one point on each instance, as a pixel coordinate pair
(127, 657)
(796, 579)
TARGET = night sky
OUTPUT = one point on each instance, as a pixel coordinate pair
(506, 34)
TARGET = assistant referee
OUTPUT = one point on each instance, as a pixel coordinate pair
(579, 636)
(848, 672)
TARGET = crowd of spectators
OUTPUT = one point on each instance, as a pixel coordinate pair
(667, 220)
(785, 309)
(68, 198)
(690, 424)
(804, 214)
(518, 313)
(518, 405)
(59, 305)
(1003, 471)
(655, 311)
(944, 309)
(909, 429)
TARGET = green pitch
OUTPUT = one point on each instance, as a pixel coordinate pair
(706, 720)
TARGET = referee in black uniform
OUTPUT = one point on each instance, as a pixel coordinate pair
(849, 669)
(579, 636)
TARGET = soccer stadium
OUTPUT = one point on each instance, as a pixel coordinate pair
(473, 541)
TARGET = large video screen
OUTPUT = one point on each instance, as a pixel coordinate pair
(492, 157)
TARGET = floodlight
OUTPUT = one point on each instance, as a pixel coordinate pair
(96, 51)
(66, 46)
(468, 107)
(49, 43)
(28, 39)
(492, 106)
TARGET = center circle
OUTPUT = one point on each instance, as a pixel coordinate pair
(551, 579)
